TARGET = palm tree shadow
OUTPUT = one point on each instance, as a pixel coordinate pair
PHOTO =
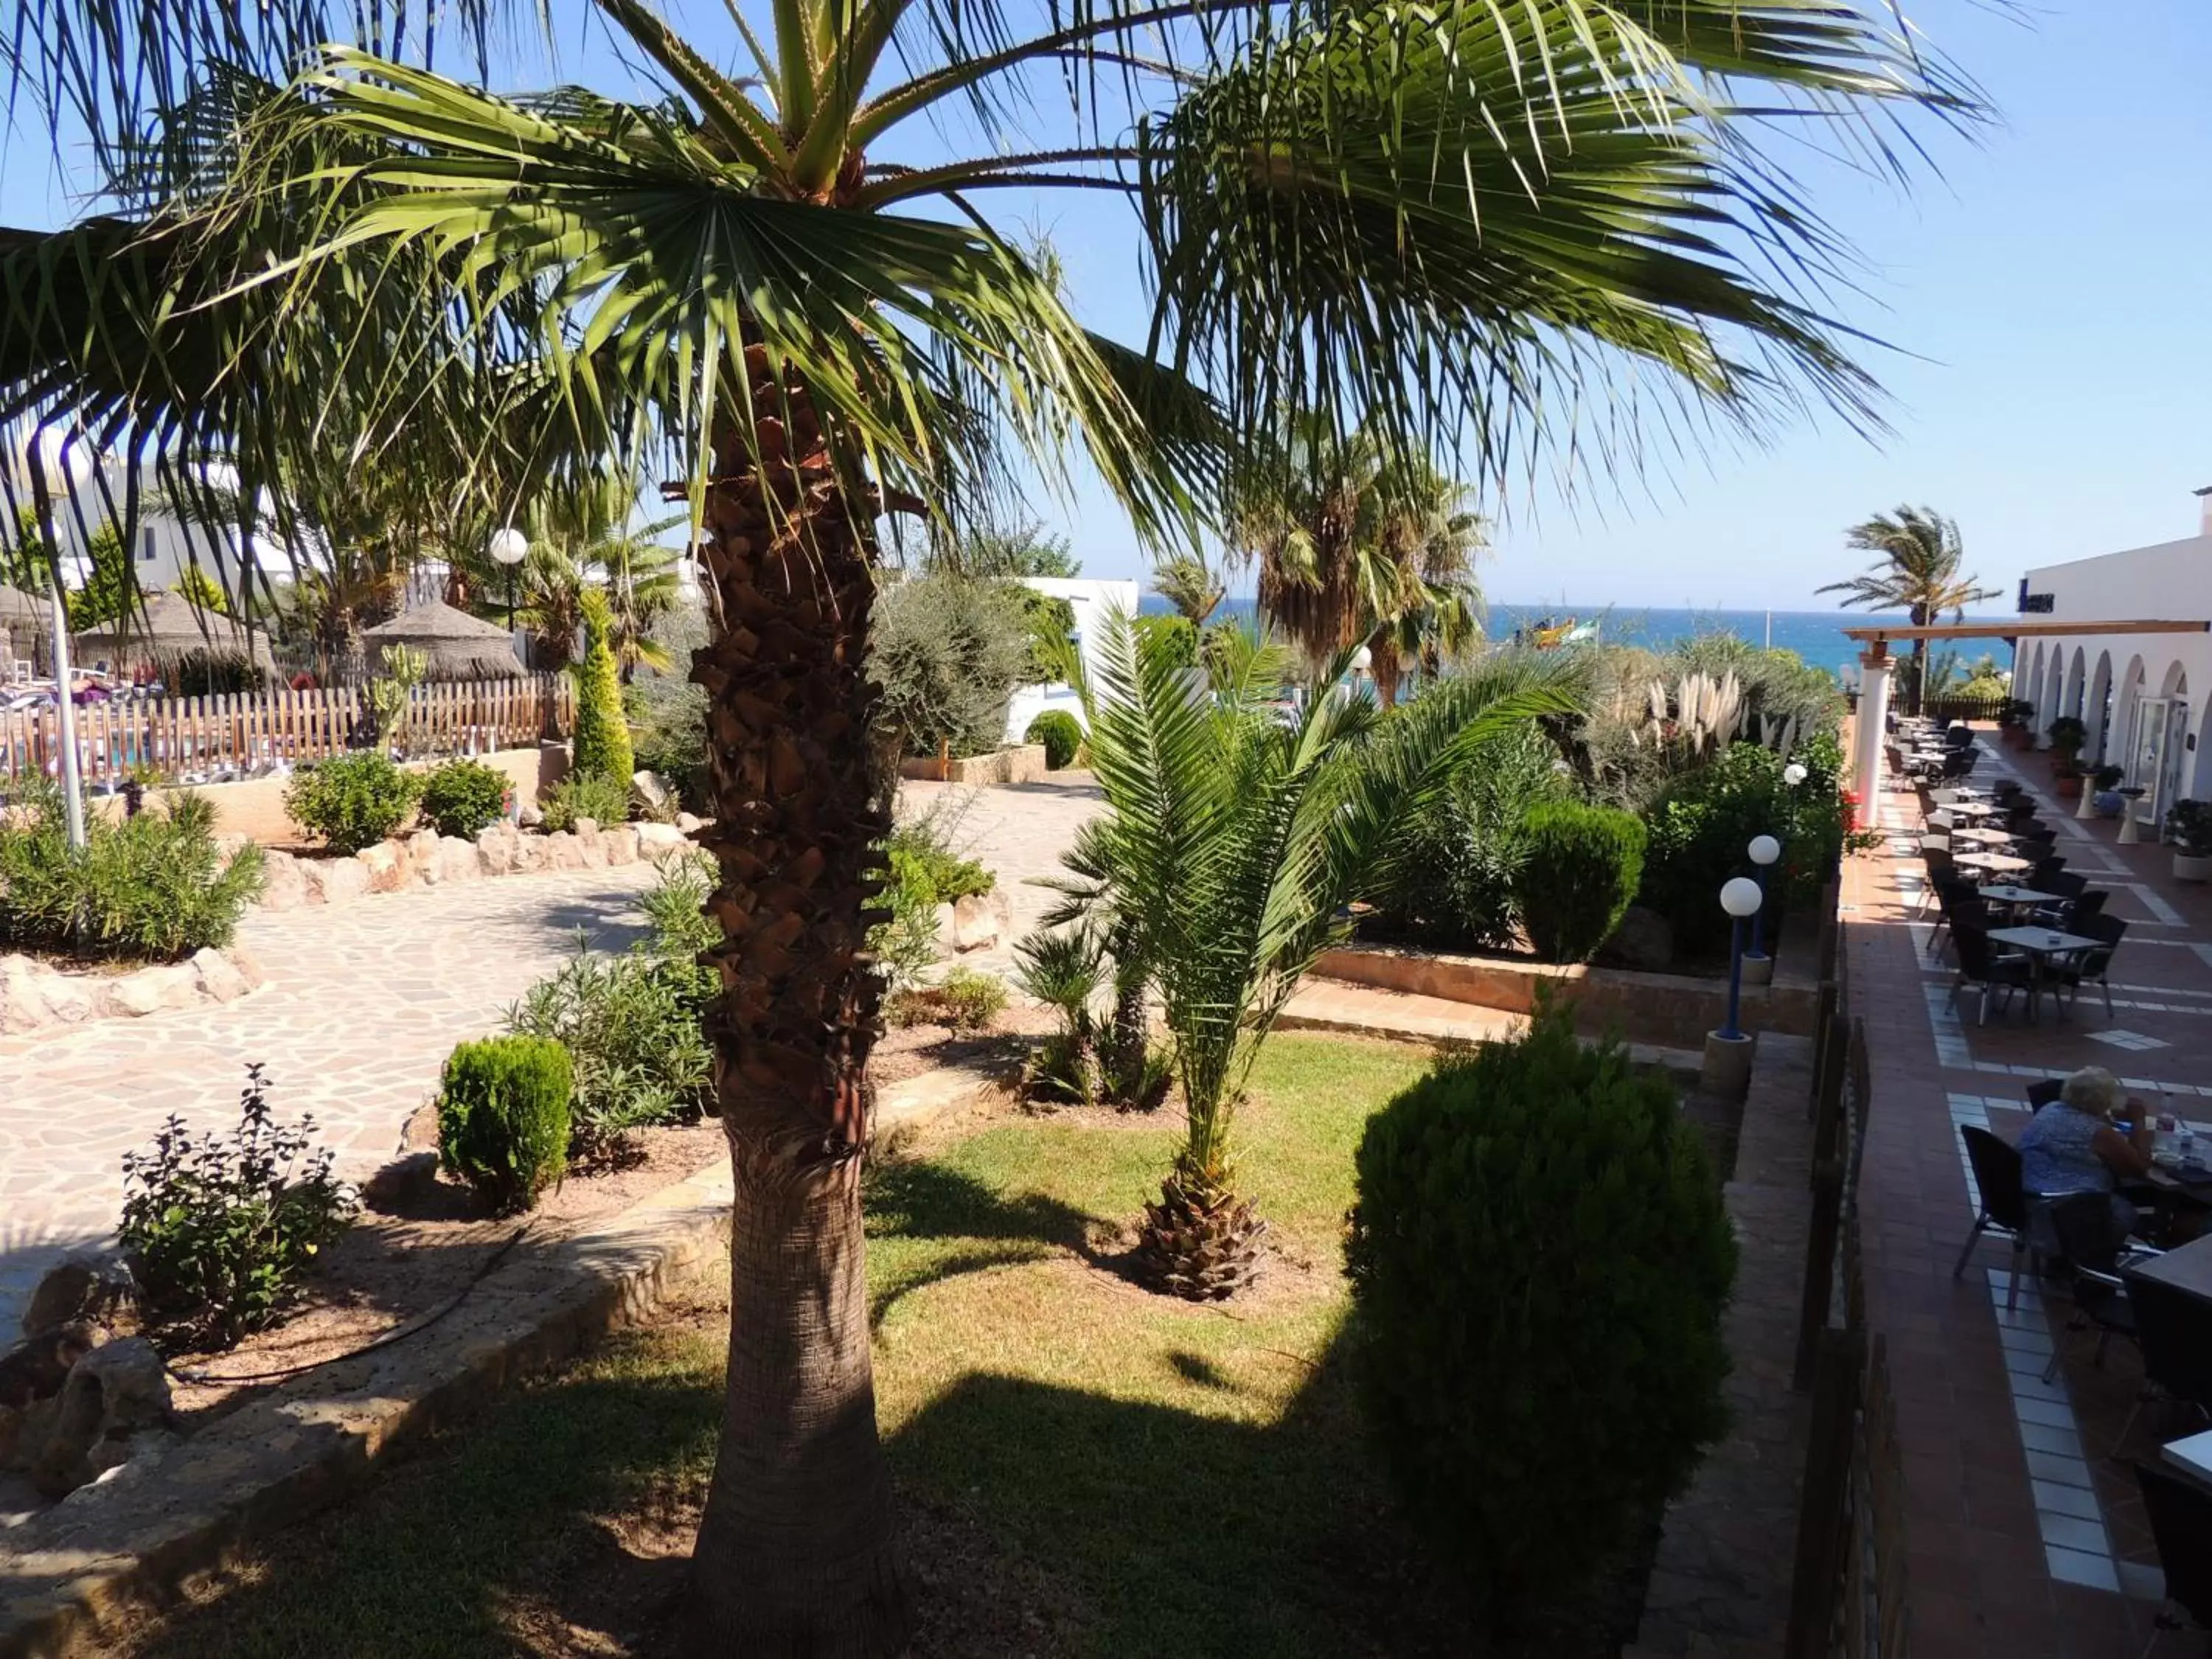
(919, 1199)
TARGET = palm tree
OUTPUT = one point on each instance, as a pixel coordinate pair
(1358, 544)
(1425, 225)
(1188, 582)
(1918, 574)
(1232, 846)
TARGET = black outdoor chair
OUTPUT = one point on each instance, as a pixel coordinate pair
(1958, 737)
(2044, 1091)
(1961, 906)
(2077, 1233)
(2087, 907)
(2007, 790)
(2045, 869)
(2180, 1513)
(2002, 1210)
(2093, 966)
(1981, 964)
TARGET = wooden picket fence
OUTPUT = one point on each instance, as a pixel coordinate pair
(248, 733)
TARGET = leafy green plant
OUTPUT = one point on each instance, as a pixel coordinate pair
(352, 801)
(462, 798)
(1056, 729)
(963, 1000)
(1452, 874)
(668, 734)
(219, 1227)
(1540, 1258)
(1065, 971)
(604, 800)
(389, 694)
(948, 651)
(1580, 872)
(632, 1023)
(155, 886)
(2189, 822)
(602, 742)
(503, 1118)
(1697, 832)
(904, 942)
(2068, 734)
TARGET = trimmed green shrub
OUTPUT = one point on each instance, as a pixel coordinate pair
(503, 1117)
(1579, 870)
(1061, 736)
(463, 797)
(353, 801)
(963, 1000)
(155, 887)
(1699, 829)
(602, 743)
(1538, 1259)
(1452, 874)
(604, 800)
(220, 1229)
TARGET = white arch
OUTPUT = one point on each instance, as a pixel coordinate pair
(2097, 710)
(2127, 705)
(2028, 687)
(2074, 676)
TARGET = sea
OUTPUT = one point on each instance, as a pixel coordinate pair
(1816, 635)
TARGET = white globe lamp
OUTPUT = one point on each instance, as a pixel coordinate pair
(1792, 774)
(509, 547)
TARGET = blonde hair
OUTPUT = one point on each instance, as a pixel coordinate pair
(2094, 1090)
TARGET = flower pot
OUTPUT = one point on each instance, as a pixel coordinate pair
(2067, 785)
(2188, 867)
(1758, 969)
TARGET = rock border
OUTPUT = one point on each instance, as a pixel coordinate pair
(427, 858)
(36, 996)
(132, 1538)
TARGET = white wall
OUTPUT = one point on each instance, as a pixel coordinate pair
(2171, 581)
(163, 548)
(1091, 601)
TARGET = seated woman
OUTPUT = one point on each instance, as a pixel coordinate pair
(2072, 1145)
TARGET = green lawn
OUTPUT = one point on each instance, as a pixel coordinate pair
(1186, 1480)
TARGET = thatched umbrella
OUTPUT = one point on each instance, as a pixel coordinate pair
(166, 628)
(459, 646)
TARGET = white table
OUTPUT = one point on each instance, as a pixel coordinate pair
(2040, 945)
(1982, 837)
(2193, 1455)
(2004, 893)
(1969, 809)
(1997, 864)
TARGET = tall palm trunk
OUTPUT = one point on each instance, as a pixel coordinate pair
(1385, 664)
(794, 1555)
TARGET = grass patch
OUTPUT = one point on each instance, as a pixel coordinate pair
(1085, 1468)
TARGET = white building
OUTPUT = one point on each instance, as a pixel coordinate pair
(2145, 697)
(1092, 601)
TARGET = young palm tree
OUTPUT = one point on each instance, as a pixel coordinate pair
(1919, 573)
(1234, 844)
(1426, 224)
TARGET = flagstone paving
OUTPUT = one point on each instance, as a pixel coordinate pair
(361, 1006)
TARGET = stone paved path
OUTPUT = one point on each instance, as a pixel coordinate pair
(361, 1005)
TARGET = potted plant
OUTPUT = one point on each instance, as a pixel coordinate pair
(2013, 723)
(2189, 822)
(2108, 800)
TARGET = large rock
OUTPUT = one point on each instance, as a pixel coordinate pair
(661, 840)
(980, 920)
(453, 859)
(496, 848)
(564, 850)
(532, 855)
(83, 1288)
(36, 1368)
(34, 996)
(335, 881)
(621, 842)
(652, 797)
(1645, 940)
(421, 849)
(114, 1392)
(153, 990)
(283, 881)
(216, 977)
(689, 823)
(388, 865)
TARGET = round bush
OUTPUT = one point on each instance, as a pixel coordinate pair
(1061, 736)
(463, 797)
(1539, 1258)
(503, 1117)
(1580, 868)
(353, 801)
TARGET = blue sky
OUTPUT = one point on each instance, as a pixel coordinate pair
(2051, 378)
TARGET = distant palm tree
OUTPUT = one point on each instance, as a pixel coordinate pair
(1917, 573)
(1357, 545)
(1188, 583)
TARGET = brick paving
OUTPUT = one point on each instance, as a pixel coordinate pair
(2026, 1539)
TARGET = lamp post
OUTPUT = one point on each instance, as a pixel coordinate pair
(60, 470)
(1728, 1051)
(1764, 851)
(509, 547)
